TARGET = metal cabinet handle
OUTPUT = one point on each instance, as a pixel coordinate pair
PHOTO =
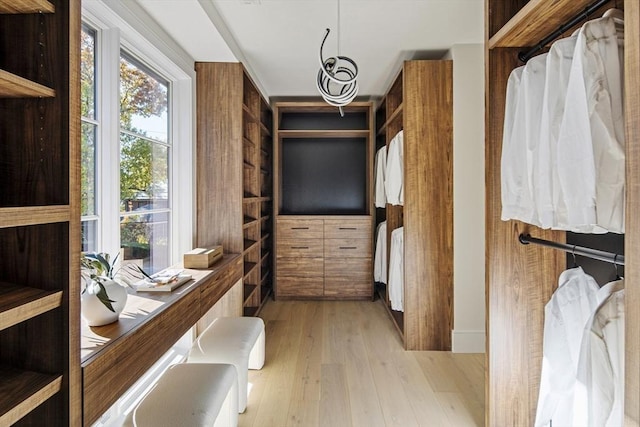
(347, 228)
(299, 247)
(299, 228)
(348, 247)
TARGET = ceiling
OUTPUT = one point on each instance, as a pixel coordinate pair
(279, 40)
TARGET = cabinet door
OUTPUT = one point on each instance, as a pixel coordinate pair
(347, 277)
(300, 286)
(347, 229)
(296, 248)
(300, 229)
(347, 248)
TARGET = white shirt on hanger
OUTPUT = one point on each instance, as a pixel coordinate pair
(396, 270)
(601, 367)
(380, 256)
(565, 316)
(591, 141)
(547, 191)
(381, 166)
(394, 175)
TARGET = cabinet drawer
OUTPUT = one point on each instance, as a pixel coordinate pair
(299, 286)
(300, 248)
(311, 267)
(347, 248)
(300, 229)
(348, 268)
(334, 287)
(347, 229)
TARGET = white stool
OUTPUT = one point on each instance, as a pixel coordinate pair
(236, 340)
(198, 394)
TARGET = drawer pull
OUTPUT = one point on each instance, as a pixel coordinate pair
(299, 228)
(348, 247)
(299, 247)
(347, 228)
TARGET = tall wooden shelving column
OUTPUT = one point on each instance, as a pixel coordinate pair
(521, 279)
(39, 213)
(420, 102)
(234, 173)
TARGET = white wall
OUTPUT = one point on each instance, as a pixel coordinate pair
(468, 335)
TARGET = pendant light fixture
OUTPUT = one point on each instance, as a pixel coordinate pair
(336, 80)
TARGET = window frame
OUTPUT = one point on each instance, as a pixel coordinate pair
(115, 34)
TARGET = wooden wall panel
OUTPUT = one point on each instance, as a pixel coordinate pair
(428, 183)
(632, 224)
(519, 279)
(218, 155)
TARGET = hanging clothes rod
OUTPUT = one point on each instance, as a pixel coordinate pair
(524, 56)
(611, 257)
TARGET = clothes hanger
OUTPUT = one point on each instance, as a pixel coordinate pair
(615, 266)
(573, 252)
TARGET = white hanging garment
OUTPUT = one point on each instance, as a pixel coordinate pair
(565, 316)
(394, 175)
(380, 169)
(396, 270)
(590, 149)
(380, 256)
(547, 191)
(601, 367)
(513, 159)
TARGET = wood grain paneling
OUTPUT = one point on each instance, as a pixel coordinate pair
(301, 267)
(23, 391)
(535, 21)
(221, 281)
(18, 303)
(347, 248)
(12, 86)
(300, 287)
(219, 155)
(428, 204)
(347, 287)
(294, 248)
(299, 229)
(519, 279)
(355, 268)
(632, 219)
(352, 229)
(27, 6)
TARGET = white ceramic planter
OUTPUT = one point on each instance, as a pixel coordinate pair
(95, 312)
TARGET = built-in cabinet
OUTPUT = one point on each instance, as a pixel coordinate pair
(521, 279)
(322, 200)
(39, 213)
(420, 103)
(234, 173)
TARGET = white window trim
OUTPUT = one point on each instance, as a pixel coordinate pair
(147, 42)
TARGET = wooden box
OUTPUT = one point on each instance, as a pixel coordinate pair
(202, 257)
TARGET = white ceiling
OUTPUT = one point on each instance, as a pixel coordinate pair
(279, 40)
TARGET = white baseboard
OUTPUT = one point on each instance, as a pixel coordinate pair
(468, 341)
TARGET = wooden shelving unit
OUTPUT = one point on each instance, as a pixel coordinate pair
(39, 213)
(235, 166)
(419, 102)
(520, 279)
(315, 258)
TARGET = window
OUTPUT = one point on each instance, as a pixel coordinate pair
(137, 123)
(88, 141)
(144, 165)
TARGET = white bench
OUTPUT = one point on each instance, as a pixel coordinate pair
(239, 341)
(190, 395)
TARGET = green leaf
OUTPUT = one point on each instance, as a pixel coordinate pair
(104, 298)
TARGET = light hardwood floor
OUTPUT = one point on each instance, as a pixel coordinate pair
(341, 363)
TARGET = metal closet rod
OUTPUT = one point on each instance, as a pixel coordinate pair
(611, 257)
(524, 56)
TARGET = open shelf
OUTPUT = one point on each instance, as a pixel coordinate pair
(248, 222)
(264, 276)
(265, 129)
(323, 133)
(33, 215)
(536, 20)
(248, 112)
(250, 311)
(247, 165)
(248, 142)
(248, 244)
(12, 86)
(264, 237)
(26, 6)
(248, 268)
(391, 118)
(20, 303)
(23, 391)
(249, 292)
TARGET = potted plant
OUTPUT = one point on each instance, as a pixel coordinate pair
(103, 297)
